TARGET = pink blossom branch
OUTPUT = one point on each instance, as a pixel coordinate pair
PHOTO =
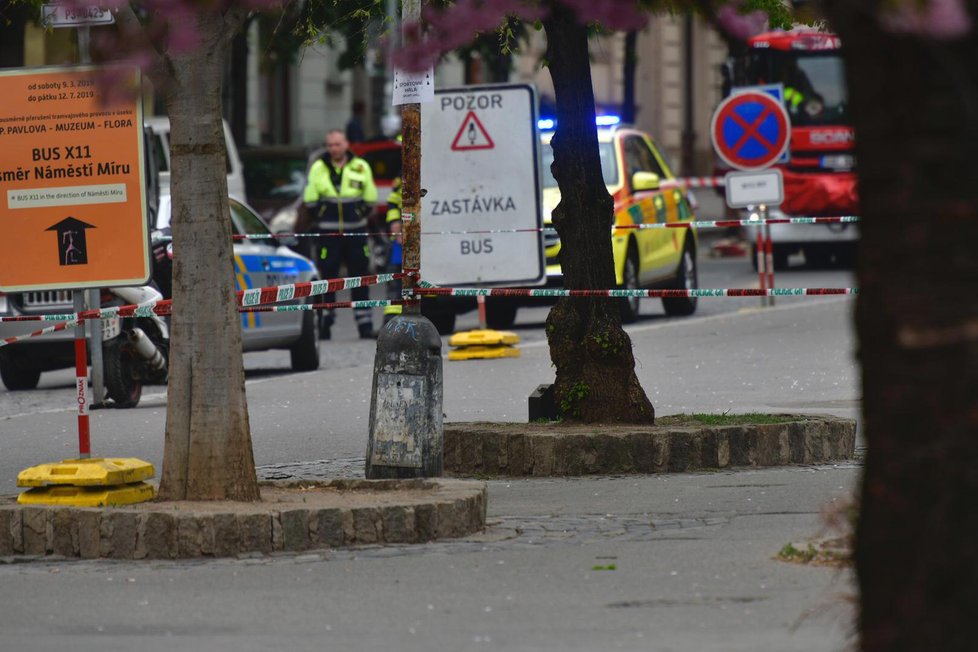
(455, 26)
(739, 25)
(942, 19)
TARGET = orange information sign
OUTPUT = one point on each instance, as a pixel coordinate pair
(72, 190)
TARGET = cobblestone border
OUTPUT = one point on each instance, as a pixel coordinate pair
(545, 449)
(358, 512)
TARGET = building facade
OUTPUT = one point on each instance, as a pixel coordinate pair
(677, 85)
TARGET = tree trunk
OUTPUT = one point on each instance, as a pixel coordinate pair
(915, 109)
(628, 108)
(595, 369)
(13, 21)
(207, 454)
(238, 80)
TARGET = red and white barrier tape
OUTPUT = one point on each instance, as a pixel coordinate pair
(252, 297)
(372, 303)
(694, 182)
(164, 309)
(698, 224)
(427, 289)
(64, 325)
(279, 293)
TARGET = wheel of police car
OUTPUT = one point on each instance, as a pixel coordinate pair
(500, 313)
(687, 278)
(304, 353)
(629, 281)
(18, 374)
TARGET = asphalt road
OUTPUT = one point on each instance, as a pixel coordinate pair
(693, 554)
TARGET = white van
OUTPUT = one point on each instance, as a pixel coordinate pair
(161, 129)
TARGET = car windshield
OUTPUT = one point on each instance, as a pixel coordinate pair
(817, 76)
(282, 177)
(609, 168)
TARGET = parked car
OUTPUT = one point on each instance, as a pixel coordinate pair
(633, 170)
(275, 177)
(257, 263)
(160, 126)
(261, 263)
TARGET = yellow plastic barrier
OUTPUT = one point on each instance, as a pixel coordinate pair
(126, 494)
(86, 472)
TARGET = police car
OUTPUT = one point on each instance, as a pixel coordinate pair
(634, 172)
(261, 262)
(257, 263)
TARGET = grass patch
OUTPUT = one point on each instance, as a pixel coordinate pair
(829, 552)
(751, 418)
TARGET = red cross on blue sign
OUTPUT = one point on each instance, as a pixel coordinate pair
(750, 130)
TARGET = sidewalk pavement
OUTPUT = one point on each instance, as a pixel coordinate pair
(670, 562)
(665, 563)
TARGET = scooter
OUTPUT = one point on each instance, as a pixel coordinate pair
(134, 349)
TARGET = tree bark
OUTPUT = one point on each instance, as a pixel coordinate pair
(207, 454)
(13, 21)
(915, 109)
(238, 80)
(595, 369)
(628, 109)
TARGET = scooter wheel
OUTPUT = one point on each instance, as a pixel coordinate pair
(121, 383)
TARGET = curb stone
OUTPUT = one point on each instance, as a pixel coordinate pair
(293, 516)
(559, 449)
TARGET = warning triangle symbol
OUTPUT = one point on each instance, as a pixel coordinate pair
(472, 135)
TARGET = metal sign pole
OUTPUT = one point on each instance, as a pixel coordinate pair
(406, 438)
(94, 297)
(411, 175)
(81, 380)
(768, 253)
(761, 262)
(95, 345)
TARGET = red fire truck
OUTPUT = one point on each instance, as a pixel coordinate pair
(819, 175)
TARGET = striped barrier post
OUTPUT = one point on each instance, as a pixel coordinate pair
(761, 262)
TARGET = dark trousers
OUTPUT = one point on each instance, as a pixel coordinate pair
(330, 253)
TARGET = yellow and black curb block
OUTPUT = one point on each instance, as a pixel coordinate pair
(96, 482)
(483, 344)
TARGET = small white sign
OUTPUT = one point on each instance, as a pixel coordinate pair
(482, 215)
(754, 188)
(413, 87)
(111, 193)
(55, 15)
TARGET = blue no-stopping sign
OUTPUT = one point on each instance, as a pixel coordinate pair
(750, 130)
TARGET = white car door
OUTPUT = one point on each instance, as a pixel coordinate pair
(259, 263)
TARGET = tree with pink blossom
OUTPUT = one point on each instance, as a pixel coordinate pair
(913, 88)
(595, 377)
(182, 46)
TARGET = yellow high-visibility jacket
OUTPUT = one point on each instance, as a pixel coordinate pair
(343, 208)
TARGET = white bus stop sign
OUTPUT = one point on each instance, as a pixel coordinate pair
(481, 216)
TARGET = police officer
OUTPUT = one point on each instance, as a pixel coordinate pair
(339, 196)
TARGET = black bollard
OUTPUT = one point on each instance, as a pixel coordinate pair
(406, 429)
